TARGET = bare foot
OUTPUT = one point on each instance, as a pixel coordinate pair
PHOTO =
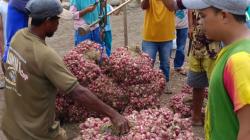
(197, 123)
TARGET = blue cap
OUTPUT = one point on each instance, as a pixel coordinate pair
(41, 9)
(237, 7)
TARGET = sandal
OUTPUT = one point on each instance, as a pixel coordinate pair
(181, 71)
(199, 123)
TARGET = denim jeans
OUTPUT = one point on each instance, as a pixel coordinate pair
(108, 42)
(164, 48)
(93, 35)
(181, 38)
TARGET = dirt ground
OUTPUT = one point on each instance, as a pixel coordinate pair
(63, 41)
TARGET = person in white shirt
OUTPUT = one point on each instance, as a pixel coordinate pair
(181, 38)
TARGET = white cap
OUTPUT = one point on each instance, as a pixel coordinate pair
(195, 4)
(237, 7)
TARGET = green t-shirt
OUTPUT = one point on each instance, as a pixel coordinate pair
(228, 91)
(34, 72)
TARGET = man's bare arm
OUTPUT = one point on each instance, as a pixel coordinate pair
(243, 117)
(88, 99)
(145, 4)
(173, 5)
(87, 10)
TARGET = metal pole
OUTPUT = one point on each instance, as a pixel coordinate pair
(125, 25)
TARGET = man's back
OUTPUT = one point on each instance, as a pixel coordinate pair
(33, 74)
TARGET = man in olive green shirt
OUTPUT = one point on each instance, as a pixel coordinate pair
(34, 72)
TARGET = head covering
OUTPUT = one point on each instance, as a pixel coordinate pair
(41, 9)
(237, 7)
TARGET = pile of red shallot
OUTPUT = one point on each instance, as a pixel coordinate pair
(150, 124)
(182, 102)
(124, 81)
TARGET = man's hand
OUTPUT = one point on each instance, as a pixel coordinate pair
(121, 123)
(87, 10)
(243, 117)
(90, 101)
(145, 4)
(91, 8)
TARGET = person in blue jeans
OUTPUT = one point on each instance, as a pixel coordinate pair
(108, 32)
(181, 38)
(17, 18)
(158, 33)
(164, 49)
(85, 13)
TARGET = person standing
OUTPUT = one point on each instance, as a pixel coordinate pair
(181, 38)
(17, 18)
(85, 13)
(108, 32)
(158, 34)
(35, 72)
(202, 56)
(228, 108)
(203, 53)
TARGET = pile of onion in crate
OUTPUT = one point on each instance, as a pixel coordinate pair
(182, 102)
(126, 81)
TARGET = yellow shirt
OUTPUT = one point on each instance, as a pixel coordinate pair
(159, 23)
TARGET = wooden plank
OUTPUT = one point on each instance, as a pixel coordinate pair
(125, 24)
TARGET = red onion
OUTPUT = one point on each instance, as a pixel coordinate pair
(150, 124)
(125, 79)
